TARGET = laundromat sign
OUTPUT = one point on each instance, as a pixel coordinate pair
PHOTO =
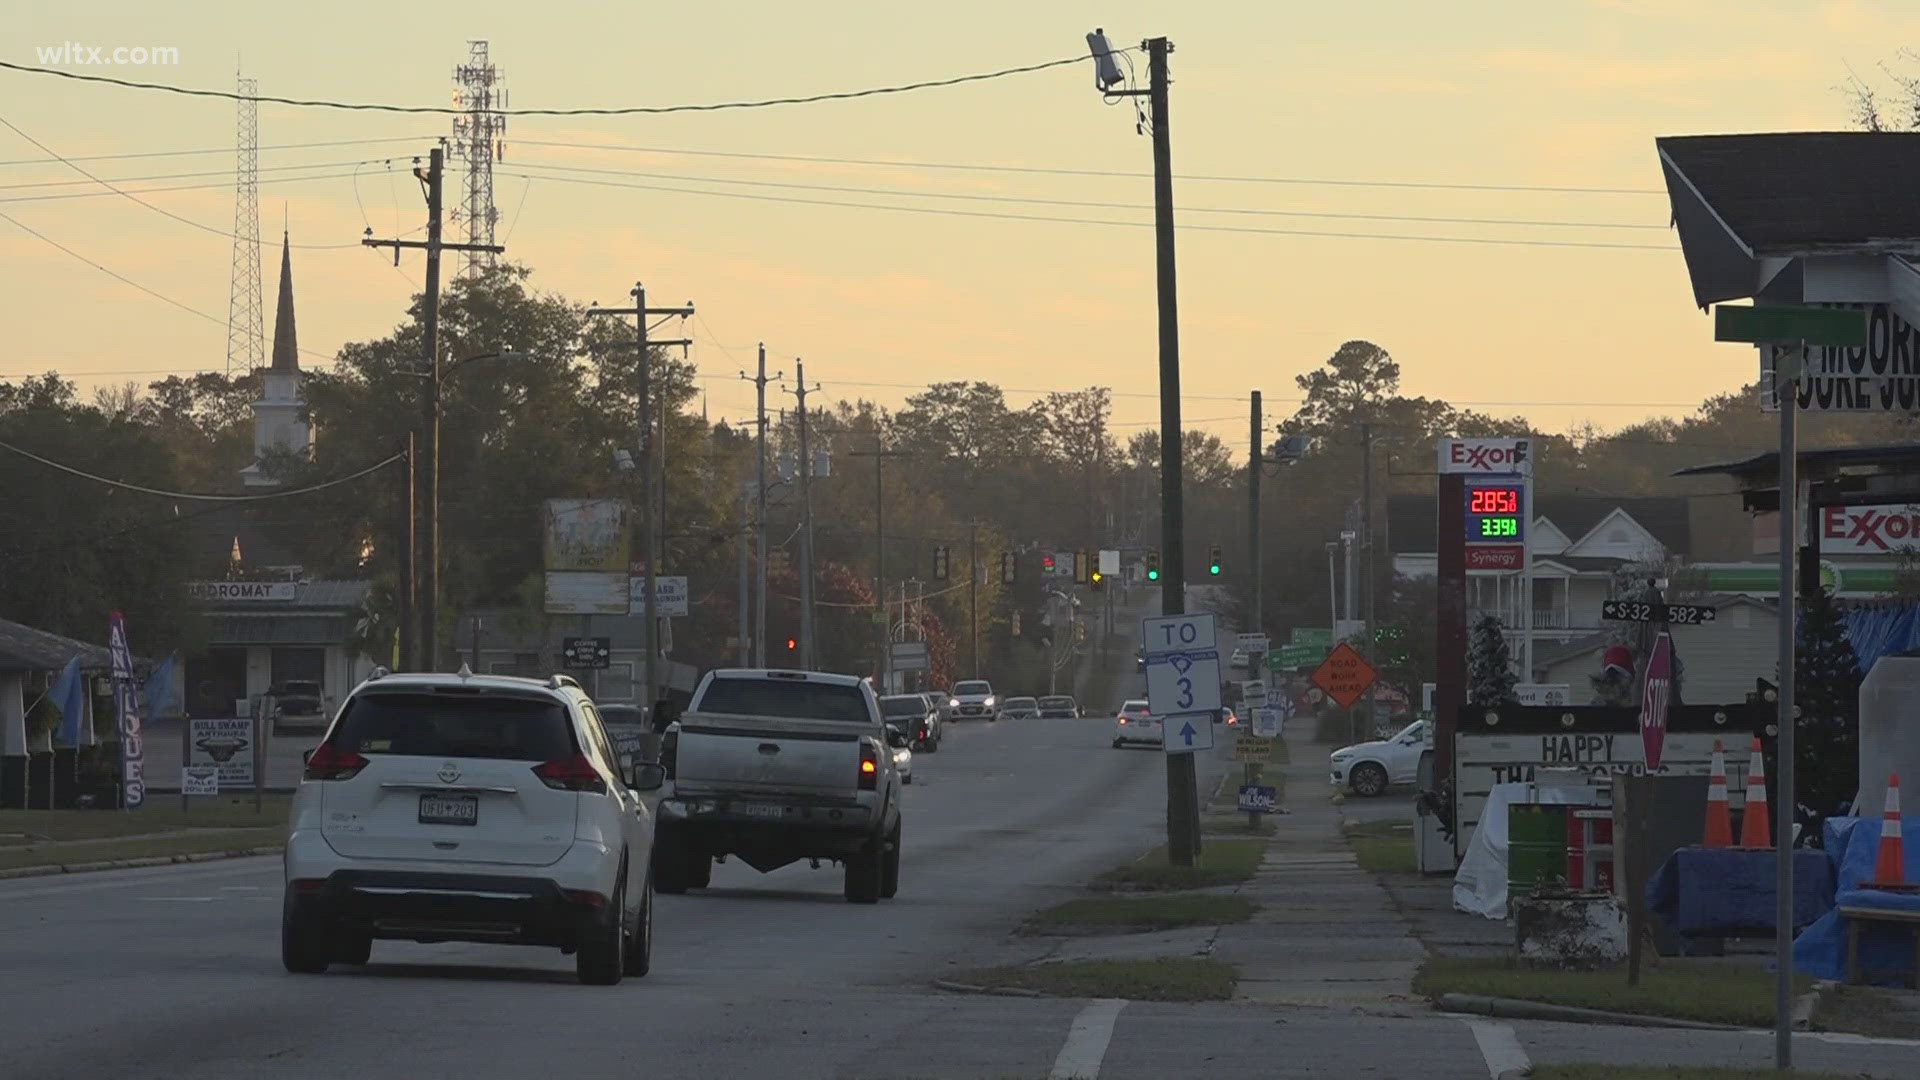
(227, 592)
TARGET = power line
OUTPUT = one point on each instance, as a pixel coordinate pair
(974, 197)
(1058, 171)
(215, 150)
(628, 110)
(182, 187)
(951, 212)
(202, 496)
(158, 210)
(125, 280)
(228, 173)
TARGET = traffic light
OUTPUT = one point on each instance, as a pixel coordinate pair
(1006, 568)
(1153, 566)
(793, 644)
(1046, 562)
(1080, 566)
(1098, 580)
(940, 562)
(1213, 560)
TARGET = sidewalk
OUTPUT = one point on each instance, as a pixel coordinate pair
(1326, 933)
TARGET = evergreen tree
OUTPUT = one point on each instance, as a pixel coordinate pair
(1827, 677)
(1490, 677)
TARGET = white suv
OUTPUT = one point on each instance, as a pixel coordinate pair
(470, 808)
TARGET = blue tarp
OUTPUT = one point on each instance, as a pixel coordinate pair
(1882, 631)
(1713, 892)
(1886, 953)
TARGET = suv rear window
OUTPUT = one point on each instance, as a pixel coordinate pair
(789, 700)
(455, 725)
(903, 706)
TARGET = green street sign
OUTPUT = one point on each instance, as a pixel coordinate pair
(1319, 637)
(1298, 656)
(1838, 327)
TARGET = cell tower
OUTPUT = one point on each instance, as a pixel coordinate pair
(246, 331)
(478, 134)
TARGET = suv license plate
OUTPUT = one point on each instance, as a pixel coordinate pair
(759, 810)
(450, 809)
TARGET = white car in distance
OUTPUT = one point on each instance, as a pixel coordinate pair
(1137, 724)
(1370, 768)
(475, 808)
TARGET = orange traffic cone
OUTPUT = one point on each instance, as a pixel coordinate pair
(1753, 820)
(1719, 832)
(1890, 867)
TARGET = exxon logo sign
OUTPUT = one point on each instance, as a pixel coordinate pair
(1487, 456)
(1869, 530)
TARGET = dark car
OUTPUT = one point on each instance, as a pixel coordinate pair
(1059, 707)
(298, 703)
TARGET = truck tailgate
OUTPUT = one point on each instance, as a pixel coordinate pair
(735, 753)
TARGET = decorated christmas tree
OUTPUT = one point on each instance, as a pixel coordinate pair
(1490, 677)
(1826, 692)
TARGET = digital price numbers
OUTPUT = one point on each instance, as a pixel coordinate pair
(1494, 514)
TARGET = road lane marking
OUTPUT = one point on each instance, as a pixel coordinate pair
(1087, 1041)
(1500, 1048)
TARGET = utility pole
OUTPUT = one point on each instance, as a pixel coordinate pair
(406, 637)
(973, 598)
(649, 545)
(746, 604)
(1366, 543)
(429, 567)
(800, 390)
(1253, 516)
(759, 382)
(879, 454)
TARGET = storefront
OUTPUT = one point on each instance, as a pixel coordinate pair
(263, 635)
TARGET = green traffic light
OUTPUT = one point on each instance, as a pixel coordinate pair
(1214, 569)
(1153, 575)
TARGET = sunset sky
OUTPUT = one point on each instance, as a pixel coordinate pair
(1526, 94)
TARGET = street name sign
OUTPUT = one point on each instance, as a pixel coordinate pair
(1345, 675)
(1296, 656)
(1253, 694)
(1642, 611)
(909, 656)
(1789, 322)
(1320, 637)
(1185, 734)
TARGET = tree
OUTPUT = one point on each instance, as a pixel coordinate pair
(1826, 749)
(1490, 678)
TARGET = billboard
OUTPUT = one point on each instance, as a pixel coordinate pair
(587, 536)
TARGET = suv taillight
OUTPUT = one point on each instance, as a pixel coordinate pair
(574, 773)
(329, 762)
(869, 767)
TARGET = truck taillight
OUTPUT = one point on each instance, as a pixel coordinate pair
(329, 762)
(869, 767)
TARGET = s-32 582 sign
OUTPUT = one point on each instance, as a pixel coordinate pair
(1641, 611)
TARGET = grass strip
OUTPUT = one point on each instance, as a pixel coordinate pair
(161, 814)
(1221, 862)
(181, 843)
(1868, 1010)
(1713, 991)
(1673, 1073)
(1383, 847)
(1164, 979)
(1143, 913)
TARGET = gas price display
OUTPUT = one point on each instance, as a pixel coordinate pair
(1494, 514)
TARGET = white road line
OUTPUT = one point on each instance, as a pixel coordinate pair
(1500, 1048)
(1087, 1042)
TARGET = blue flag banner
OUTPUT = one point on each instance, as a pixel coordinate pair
(160, 686)
(69, 696)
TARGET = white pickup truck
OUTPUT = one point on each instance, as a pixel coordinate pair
(776, 766)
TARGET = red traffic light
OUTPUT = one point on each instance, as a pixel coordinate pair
(792, 644)
(1046, 561)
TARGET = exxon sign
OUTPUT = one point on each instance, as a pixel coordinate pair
(1506, 456)
(1869, 530)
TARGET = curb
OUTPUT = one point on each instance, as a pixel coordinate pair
(970, 988)
(1806, 1004)
(133, 864)
(1515, 1009)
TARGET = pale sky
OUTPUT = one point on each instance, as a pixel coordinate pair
(1529, 93)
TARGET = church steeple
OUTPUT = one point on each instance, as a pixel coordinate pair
(278, 423)
(286, 349)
